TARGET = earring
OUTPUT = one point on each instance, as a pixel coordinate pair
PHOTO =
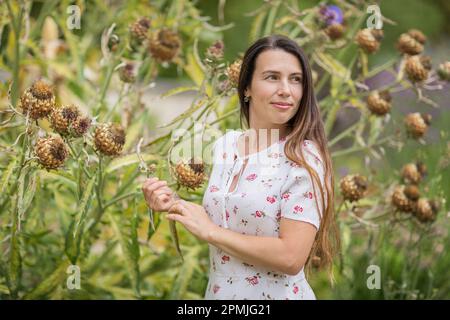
(246, 98)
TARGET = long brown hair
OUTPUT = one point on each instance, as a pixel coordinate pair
(306, 124)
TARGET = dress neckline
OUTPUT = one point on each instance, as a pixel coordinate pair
(236, 148)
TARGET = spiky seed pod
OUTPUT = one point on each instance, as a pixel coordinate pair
(408, 45)
(80, 126)
(164, 45)
(410, 173)
(233, 72)
(38, 100)
(127, 73)
(335, 31)
(401, 201)
(62, 118)
(444, 71)
(51, 152)
(109, 138)
(418, 35)
(379, 103)
(422, 168)
(417, 68)
(215, 52)
(190, 174)
(367, 40)
(113, 42)
(417, 124)
(353, 187)
(412, 192)
(425, 211)
(139, 30)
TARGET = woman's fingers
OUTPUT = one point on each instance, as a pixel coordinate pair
(178, 207)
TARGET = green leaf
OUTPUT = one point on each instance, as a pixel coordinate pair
(74, 235)
(175, 239)
(194, 70)
(129, 245)
(7, 175)
(49, 284)
(178, 90)
(255, 29)
(185, 274)
(134, 131)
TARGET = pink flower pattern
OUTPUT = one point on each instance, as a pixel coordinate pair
(257, 210)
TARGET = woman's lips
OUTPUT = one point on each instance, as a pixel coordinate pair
(282, 106)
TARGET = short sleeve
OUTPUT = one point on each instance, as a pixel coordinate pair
(298, 201)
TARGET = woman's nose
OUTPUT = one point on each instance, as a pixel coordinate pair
(283, 89)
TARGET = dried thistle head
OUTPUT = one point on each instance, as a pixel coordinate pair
(51, 152)
(379, 103)
(164, 45)
(417, 124)
(369, 39)
(233, 72)
(353, 187)
(401, 201)
(190, 174)
(38, 100)
(109, 138)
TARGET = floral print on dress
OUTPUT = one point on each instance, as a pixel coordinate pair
(255, 208)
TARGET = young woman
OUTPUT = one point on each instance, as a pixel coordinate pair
(268, 207)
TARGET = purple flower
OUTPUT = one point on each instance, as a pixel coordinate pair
(332, 14)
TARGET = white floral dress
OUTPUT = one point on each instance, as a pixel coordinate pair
(269, 187)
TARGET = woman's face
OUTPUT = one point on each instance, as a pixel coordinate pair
(276, 89)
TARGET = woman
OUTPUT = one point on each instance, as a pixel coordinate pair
(268, 207)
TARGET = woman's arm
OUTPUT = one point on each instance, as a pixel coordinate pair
(287, 253)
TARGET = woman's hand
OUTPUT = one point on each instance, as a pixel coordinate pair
(157, 194)
(193, 217)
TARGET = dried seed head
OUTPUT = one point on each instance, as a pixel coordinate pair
(409, 45)
(379, 103)
(417, 67)
(80, 126)
(411, 174)
(444, 71)
(422, 168)
(109, 138)
(417, 35)
(51, 152)
(368, 40)
(416, 125)
(401, 201)
(353, 187)
(38, 100)
(127, 73)
(412, 192)
(425, 211)
(139, 30)
(335, 31)
(233, 72)
(215, 52)
(190, 174)
(113, 42)
(164, 45)
(62, 118)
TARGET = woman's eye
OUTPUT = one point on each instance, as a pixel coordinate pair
(297, 79)
(272, 77)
